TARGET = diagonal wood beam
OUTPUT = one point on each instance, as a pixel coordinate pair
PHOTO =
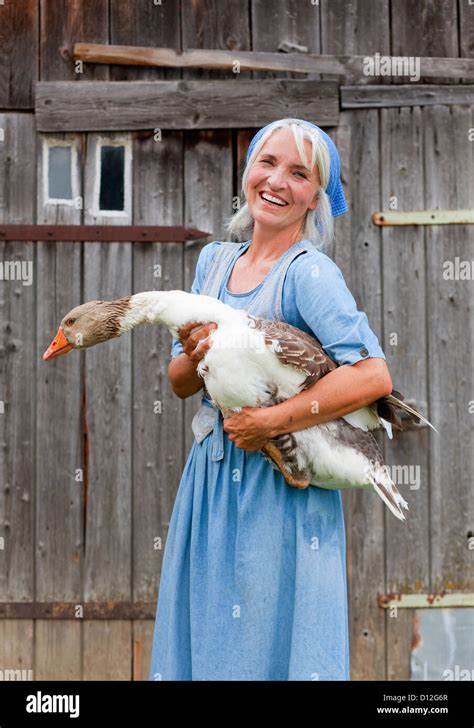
(352, 65)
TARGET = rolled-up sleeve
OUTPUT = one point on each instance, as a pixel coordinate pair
(201, 267)
(328, 308)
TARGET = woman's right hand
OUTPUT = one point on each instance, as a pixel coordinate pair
(194, 339)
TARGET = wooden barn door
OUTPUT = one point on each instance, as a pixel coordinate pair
(415, 158)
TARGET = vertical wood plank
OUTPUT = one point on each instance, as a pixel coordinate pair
(63, 23)
(18, 364)
(60, 475)
(364, 515)
(208, 201)
(207, 181)
(424, 29)
(404, 306)
(158, 454)
(341, 248)
(204, 25)
(450, 184)
(466, 31)
(296, 23)
(144, 24)
(108, 412)
(355, 27)
(18, 53)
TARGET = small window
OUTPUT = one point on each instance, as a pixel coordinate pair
(112, 169)
(60, 172)
(112, 174)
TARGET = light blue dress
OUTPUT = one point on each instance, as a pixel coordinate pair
(253, 581)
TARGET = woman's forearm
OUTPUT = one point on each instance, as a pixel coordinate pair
(184, 379)
(343, 390)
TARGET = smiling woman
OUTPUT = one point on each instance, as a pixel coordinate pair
(253, 582)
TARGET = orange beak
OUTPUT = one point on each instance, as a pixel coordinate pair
(59, 345)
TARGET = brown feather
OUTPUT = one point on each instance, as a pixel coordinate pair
(295, 348)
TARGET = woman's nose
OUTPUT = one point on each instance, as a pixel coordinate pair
(276, 178)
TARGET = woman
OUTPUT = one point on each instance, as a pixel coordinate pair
(253, 584)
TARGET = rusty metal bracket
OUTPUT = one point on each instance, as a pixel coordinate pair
(426, 601)
(77, 610)
(424, 217)
(102, 233)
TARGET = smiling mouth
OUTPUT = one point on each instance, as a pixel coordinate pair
(272, 200)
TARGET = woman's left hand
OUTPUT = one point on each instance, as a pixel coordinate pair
(248, 429)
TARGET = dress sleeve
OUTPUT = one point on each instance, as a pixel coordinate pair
(328, 308)
(201, 267)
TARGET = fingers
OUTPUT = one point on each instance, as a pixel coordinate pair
(194, 338)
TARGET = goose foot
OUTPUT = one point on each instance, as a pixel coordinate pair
(298, 480)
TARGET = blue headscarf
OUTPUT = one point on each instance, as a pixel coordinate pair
(334, 187)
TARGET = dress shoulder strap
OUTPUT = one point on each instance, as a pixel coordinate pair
(219, 264)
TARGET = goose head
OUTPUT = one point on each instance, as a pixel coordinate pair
(88, 325)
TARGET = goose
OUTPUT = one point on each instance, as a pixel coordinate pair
(275, 362)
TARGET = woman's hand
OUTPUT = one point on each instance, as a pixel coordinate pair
(195, 341)
(250, 428)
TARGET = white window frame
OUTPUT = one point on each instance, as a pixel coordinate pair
(115, 141)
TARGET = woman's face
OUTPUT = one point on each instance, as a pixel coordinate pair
(278, 172)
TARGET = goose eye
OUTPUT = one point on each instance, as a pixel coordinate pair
(69, 322)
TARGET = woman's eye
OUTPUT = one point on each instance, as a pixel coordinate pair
(302, 174)
(266, 161)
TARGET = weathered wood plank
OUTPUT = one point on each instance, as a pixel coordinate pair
(466, 30)
(157, 412)
(341, 248)
(108, 423)
(107, 650)
(298, 24)
(353, 27)
(365, 97)
(58, 649)
(60, 485)
(142, 646)
(18, 362)
(207, 173)
(18, 53)
(205, 26)
(425, 29)
(17, 647)
(144, 24)
(449, 174)
(208, 198)
(404, 326)
(365, 515)
(128, 105)
(349, 66)
(62, 22)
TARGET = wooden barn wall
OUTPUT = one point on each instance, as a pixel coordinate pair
(94, 539)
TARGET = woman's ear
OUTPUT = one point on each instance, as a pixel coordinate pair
(315, 201)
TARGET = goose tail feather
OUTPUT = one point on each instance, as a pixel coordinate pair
(411, 410)
(387, 409)
(389, 493)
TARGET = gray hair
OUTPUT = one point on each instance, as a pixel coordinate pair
(318, 226)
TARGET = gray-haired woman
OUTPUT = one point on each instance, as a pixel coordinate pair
(253, 584)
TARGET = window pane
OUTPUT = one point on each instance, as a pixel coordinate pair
(444, 644)
(59, 173)
(112, 168)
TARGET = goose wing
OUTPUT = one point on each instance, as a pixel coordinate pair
(295, 348)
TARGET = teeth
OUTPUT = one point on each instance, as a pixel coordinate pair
(270, 198)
